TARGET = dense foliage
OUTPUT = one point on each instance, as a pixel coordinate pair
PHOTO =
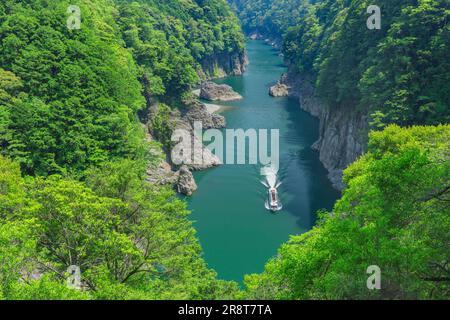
(74, 94)
(130, 240)
(395, 214)
(74, 191)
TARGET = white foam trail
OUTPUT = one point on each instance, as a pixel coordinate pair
(271, 176)
(271, 180)
(269, 171)
(265, 184)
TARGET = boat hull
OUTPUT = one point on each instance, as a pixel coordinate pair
(273, 202)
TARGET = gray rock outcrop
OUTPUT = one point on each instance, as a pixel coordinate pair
(167, 172)
(218, 121)
(218, 92)
(185, 182)
(197, 111)
(200, 157)
(161, 174)
(279, 90)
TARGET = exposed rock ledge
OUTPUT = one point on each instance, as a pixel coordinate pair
(343, 131)
(218, 92)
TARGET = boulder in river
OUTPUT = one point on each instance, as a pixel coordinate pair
(218, 92)
(279, 90)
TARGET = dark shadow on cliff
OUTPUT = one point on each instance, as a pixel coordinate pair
(313, 181)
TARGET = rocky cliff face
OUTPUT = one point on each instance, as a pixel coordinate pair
(224, 64)
(343, 132)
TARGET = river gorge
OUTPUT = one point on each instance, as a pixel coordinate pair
(236, 231)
